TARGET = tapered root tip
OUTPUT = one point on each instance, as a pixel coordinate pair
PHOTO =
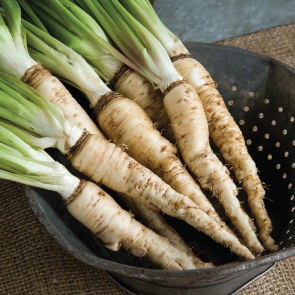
(269, 242)
(113, 247)
(273, 248)
(139, 251)
(173, 266)
(208, 265)
(258, 250)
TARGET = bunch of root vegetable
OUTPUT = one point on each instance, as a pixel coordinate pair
(22, 159)
(149, 176)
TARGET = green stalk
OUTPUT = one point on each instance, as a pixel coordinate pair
(79, 23)
(84, 7)
(10, 140)
(19, 88)
(13, 17)
(99, 58)
(21, 163)
(14, 58)
(29, 137)
(28, 111)
(112, 26)
(43, 42)
(67, 64)
(28, 107)
(144, 12)
(137, 43)
(83, 17)
(105, 64)
(32, 15)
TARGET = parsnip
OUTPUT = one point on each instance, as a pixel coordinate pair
(190, 127)
(223, 130)
(136, 131)
(101, 160)
(116, 228)
(154, 220)
(126, 124)
(229, 139)
(89, 204)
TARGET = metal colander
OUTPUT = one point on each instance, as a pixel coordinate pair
(260, 94)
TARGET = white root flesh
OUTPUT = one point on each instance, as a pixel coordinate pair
(229, 139)
(126, 123)
(138, 180)
(189, 124)
(54, 91)
(137, 88)
(155, 221)
(105, 163)
(140, 90)
(117, 229)
(51, 89)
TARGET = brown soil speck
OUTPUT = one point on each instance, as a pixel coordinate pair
(163, 148)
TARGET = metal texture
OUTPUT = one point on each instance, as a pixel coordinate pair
(254, 279)
(133, 286)
(213, 20)
(260, 94)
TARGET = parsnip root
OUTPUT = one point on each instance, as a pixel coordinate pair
(189, 124)
(139, 89)
(116, 228)
(229, 139)
(155, 221)
(54, 91)
(106, 163)
(126, 124)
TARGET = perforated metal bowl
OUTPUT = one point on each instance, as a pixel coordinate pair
(260, 94)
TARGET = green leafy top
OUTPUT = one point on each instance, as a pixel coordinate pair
(137, 43)
(64, 62)
(32, 15)
(70, 24)
(23, 106)
(144, 12)
(14, 58)
(26, 109)
(32, 166)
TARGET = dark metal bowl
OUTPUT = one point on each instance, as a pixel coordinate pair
(260, 94)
